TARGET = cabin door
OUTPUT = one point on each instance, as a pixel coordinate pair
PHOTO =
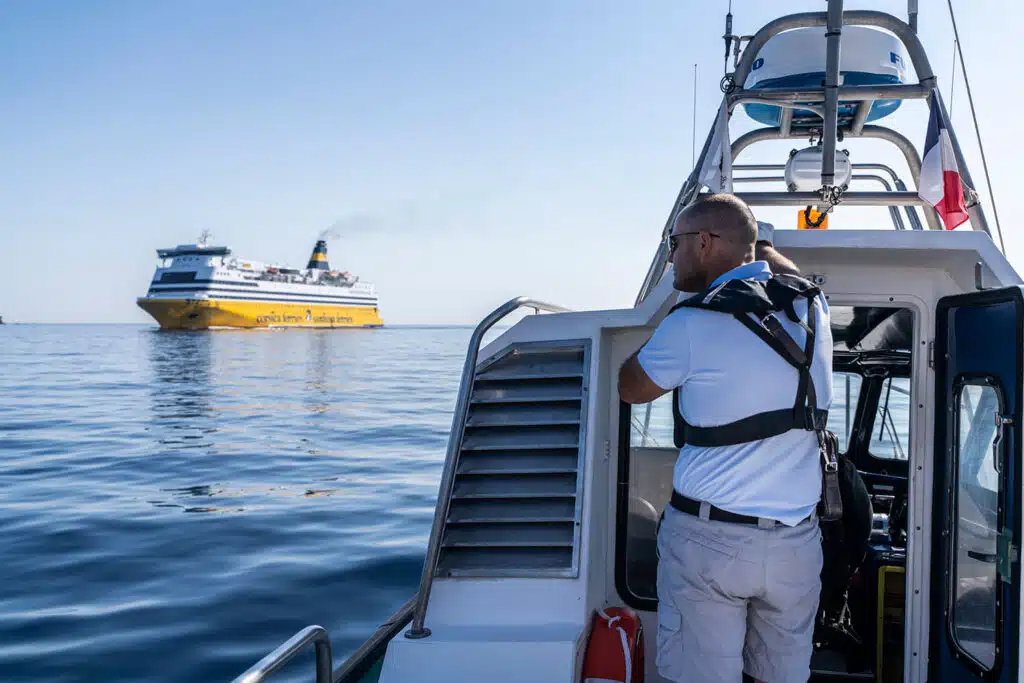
(975, 605)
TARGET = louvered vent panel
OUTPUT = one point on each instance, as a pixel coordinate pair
(513, 509)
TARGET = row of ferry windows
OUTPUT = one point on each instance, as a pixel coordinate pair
(890, 435)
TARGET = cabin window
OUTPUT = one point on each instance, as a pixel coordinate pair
(890, 435)
(652, 423)
(978, 461)
(845, 391)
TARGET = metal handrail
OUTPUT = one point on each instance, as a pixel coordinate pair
(849, 198)
(894, 213)
(284, 653)
(454, 442)
(915, 221)
(878, 132)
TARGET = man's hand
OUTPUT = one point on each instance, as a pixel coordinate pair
(634, 384)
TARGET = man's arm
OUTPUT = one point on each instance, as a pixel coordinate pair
(634, 384)
(764, 251)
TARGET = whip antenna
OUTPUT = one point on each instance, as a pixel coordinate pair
(728, 36)
(693, 121)
(977, 131)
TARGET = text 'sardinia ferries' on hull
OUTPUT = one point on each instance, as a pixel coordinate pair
(550, 496)
(199, 286)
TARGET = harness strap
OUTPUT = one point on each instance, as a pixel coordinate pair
(768, 337)
(803, 415)
(753, 428)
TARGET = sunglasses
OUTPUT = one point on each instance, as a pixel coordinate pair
(673, 240)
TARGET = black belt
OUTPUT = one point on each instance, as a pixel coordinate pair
(692, 507)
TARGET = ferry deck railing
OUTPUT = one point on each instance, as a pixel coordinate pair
(418, 630)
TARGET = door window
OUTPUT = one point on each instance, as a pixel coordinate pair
(977, 504)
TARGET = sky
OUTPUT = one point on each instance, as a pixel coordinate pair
(468, 152)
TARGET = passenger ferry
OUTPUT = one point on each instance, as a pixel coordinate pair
(541, 563)
(201, 286)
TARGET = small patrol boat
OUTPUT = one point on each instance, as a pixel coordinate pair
(541, 563)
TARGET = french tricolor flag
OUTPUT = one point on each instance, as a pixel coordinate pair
(940, 177)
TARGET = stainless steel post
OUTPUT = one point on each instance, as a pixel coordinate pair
(833, 36)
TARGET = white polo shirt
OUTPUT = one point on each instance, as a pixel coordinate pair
(728, 373)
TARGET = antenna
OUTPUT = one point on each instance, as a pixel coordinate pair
(952, 77)
(728, 37)
(693, 121)
(912, 14)
(977, 130)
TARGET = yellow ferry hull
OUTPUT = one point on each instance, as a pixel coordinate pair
(203, 314)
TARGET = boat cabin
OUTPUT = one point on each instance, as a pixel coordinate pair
(553, 487)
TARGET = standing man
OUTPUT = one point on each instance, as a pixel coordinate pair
(739, 545)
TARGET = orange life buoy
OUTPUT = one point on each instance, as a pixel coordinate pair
(615, 651)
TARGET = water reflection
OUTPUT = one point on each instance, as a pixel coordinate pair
(318, 366)
(182, 414)
(181, 391)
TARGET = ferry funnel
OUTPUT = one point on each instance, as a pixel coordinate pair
(318, 259)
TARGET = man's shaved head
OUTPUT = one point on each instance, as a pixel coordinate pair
(713, 235)
(724, 214)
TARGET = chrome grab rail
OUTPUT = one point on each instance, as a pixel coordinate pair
(274, 661)
(454, 442)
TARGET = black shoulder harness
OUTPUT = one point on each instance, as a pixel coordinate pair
(755, 304)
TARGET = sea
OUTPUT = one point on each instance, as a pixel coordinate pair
(174, 505)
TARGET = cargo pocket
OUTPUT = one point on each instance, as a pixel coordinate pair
(670, 641)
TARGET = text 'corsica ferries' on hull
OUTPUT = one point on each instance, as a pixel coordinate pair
(200, 286)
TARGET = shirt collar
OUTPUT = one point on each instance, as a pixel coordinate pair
(755, 270)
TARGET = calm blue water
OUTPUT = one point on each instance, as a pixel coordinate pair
(174, 505)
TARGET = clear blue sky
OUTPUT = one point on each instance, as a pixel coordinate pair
(474, 150)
